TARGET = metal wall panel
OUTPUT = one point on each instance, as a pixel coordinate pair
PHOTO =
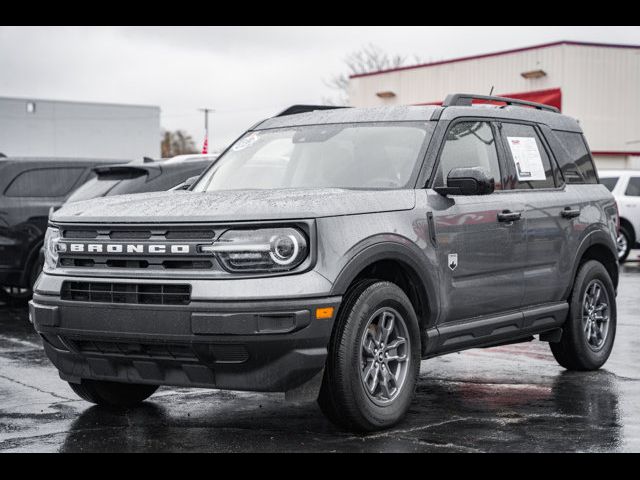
(75, 129)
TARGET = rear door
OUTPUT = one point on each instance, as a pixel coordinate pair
(552, 212)
(481, 258)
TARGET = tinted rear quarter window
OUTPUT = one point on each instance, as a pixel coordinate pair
(44, 182)
(576, 165)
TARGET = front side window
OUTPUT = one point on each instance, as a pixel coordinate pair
(633, 188)
(355, 156)
(468, 144)
(528, 157)
(44, 182)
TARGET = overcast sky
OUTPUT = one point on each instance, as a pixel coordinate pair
(245, 73)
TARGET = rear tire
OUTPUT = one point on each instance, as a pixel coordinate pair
(589, 332)
(373, 360)
(113, 394)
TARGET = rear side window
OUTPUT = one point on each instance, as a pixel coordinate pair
(633, 189)
(609, 182)
(44, 182)
(528, 157)
(469, 144)
(577, 166)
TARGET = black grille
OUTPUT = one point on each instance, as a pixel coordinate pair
(165, 235)
(146, 294)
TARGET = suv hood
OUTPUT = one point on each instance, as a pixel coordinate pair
(233, 205)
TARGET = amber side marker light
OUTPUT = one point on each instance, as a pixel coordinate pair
(324, 313)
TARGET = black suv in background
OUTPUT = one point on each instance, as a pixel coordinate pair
(135, 177)
(29, 187)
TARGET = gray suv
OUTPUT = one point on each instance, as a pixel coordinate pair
(328, 251)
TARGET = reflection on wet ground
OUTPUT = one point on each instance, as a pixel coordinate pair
(511, 398)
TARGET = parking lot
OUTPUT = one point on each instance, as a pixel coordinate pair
(511, 398)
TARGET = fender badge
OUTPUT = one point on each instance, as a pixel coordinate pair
(453, 261)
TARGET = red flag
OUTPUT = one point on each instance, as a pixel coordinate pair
(205, 148)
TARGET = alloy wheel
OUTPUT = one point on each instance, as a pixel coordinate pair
(595, 314)
(385, 352)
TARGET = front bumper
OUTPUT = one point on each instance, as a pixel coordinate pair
(256, 345)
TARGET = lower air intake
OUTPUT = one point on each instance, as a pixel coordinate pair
(136, 293)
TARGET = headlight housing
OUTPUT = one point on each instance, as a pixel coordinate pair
(52, 248)
(260, 250)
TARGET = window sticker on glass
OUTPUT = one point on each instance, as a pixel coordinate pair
(527, 159)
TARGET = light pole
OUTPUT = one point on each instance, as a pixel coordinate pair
(205, 148)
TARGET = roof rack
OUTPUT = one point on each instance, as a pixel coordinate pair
(294, 109)
(466, 100)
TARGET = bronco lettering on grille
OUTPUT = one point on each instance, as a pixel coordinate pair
(126, 248)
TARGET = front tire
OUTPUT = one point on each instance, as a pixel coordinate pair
(374, 359)
(590, 329)
(113, 394)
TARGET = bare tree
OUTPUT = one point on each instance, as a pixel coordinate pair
(369, 58)
(176, 143)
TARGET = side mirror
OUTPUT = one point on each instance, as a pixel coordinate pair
(186, 184)
(468, 181)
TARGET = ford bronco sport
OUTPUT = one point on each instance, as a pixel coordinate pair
(328, 251)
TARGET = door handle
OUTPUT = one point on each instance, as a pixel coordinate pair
(509, 216)
(569, 212)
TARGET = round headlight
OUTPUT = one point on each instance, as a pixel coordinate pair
(284, 249)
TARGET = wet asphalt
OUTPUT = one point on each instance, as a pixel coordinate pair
(505, 399)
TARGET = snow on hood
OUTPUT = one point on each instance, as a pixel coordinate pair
(233, 205)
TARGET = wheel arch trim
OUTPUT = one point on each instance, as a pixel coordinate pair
(407, 254)
(594, 238)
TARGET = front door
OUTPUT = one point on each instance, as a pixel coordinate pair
(481, 244)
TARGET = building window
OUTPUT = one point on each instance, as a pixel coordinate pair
(31, 107)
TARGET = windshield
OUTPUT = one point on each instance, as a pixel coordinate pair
(376, 155)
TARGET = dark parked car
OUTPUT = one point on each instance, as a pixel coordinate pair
(141, 177)
(325, 254)
(29, 187)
